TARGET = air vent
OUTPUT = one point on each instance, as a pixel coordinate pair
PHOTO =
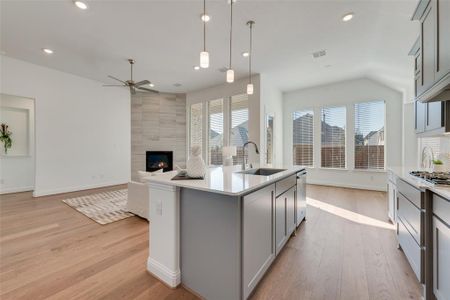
(320, 53)
(177, 84)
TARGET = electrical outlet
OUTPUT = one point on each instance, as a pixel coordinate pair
(2, 181)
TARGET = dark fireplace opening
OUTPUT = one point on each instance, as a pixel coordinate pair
(156, 160)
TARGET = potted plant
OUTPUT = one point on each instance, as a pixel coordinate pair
(5, 137)
(438, 165)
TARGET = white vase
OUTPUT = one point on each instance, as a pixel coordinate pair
(195, 166)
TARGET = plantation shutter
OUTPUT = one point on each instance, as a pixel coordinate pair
(303, 137)
(239, 125)
(369, 135)
(215, 131)
(333, 137)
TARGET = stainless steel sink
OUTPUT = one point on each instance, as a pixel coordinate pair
(262, 171)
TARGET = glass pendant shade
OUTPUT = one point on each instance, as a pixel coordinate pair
(250, 89)
(204, 59)
(230, 76)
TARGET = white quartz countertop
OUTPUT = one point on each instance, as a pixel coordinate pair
(403, 173)
(224, 180)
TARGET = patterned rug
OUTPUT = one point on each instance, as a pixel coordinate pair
(103, 208)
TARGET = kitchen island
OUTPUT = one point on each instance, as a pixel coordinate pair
(218, 236)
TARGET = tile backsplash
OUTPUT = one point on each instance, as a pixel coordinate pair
(440, 146)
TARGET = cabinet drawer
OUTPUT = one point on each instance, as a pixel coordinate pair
(441, 208)
(285, 184)
(410, 248)
(411, 217)
(411, 193)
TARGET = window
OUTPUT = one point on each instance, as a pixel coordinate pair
(196, 125)
(215, 137)
(303, 137)
(239, 125)
(369, 135)
(333, 137)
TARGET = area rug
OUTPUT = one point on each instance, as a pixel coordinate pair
(103, 208)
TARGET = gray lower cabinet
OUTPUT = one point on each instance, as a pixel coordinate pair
(441, 260)
(280, 223)
(258, 243)
(290, 210)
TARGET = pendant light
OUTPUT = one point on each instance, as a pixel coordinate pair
(250, 84)
(204, 55)
(230, 72)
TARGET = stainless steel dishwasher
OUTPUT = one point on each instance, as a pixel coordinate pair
(300, 211)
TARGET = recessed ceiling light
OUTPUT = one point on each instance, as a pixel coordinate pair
(348, 17)
(205, 18)
(81, 5)
(245, 54)
(151, 84)
(196, 68)
(47, 51)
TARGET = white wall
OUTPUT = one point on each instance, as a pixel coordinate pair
(347, 93)
(82, 128)
(272, 104)
(17, 166)
(226, 90)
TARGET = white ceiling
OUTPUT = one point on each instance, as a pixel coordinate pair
(165, 38)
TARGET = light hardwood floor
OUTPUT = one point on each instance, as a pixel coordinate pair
(346, 250)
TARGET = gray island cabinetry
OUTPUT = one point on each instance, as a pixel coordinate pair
(231, 226)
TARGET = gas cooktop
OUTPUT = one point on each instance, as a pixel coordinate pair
(438, 178)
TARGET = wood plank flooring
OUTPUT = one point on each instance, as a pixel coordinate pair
(345, 250)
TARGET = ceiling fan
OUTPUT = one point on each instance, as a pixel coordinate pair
(131, 84)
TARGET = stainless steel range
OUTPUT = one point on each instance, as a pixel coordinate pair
(438, 178)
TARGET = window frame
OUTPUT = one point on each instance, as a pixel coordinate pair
(385, 137)
(346, 140)
(313, 164)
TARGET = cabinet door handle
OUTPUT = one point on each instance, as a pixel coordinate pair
(437, 258)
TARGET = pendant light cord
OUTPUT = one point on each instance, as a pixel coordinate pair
(204, 25)
(231, 28)
(250, 55)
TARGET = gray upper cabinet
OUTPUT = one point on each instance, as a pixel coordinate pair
(434, 117)
(258, 236)
(428, 49)
(432, 61)
(442, 10)
(420, 109)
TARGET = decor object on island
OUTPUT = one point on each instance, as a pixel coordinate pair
(196, 167)
(103, 208)
(131, 84)
(228, 153)
(5, 137)
(250, 84)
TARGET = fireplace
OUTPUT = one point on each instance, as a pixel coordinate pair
(156, 160)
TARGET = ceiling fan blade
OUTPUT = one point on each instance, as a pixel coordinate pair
(113, 85)
(142, 82)
(112, 77)
(148, 90)
(132, 90)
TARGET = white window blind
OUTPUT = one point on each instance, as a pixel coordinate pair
(195, 130)
(303, 137)
(239, 125)
(369, 135)
(215, 126)
(333, 137)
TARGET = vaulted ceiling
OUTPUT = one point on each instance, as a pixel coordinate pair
(165, 38)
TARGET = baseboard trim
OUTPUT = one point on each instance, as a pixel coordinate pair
(350, 186)
(169, 277)
(16, 190)
(40, 193)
